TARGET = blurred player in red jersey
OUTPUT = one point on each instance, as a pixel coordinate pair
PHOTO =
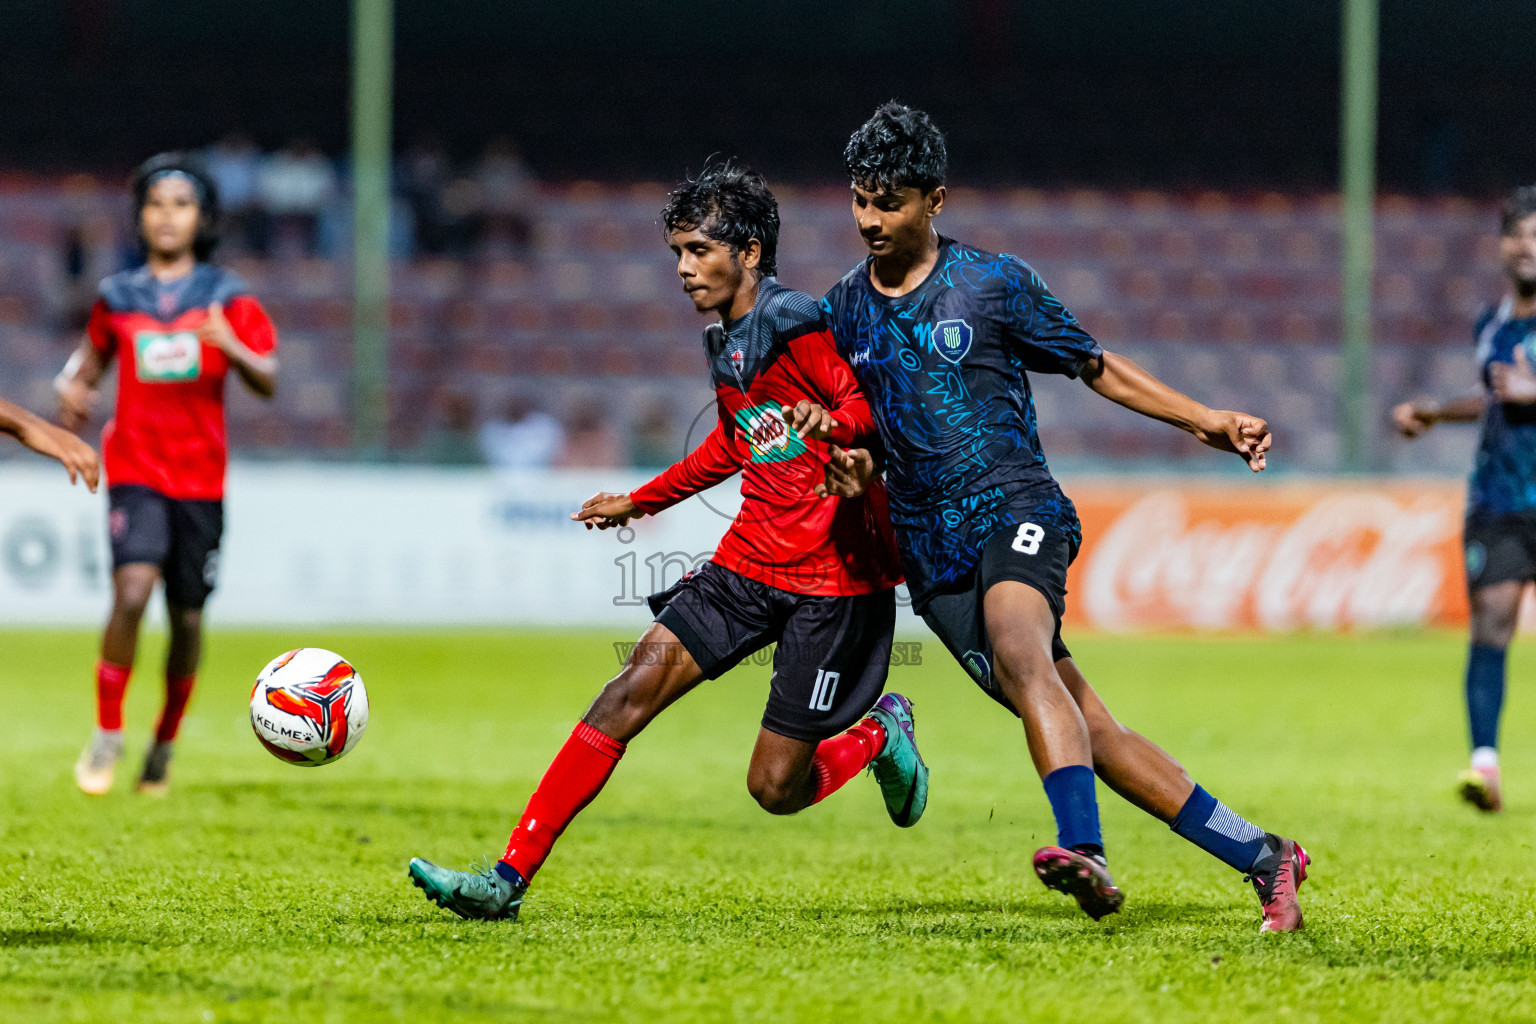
(812, 575)
(176, 326)
(77, 457)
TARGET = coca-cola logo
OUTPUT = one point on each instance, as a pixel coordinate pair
(1343, 559)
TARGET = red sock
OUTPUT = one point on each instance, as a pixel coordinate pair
(177, 693)
(842, 757)
(111, 684)
(576, 775)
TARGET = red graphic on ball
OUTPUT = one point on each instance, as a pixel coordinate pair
(323, 702)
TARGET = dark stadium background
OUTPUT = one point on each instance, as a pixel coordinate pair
(1165, 93)
(1181, 160)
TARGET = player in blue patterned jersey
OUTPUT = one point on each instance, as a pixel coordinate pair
(1500, 533)
(942, 337)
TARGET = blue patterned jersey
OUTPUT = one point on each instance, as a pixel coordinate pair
(944, 368)
(1504, 473)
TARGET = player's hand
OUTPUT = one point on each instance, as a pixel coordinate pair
(846, 473)
(606, 510)
(1238, 432)
(78, 458)
(75, 401)
(1412, 419)
(1514, 383)
(809, 420)
(216, 330)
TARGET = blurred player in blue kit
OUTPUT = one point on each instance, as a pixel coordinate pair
(1500, 532)
(941, 336)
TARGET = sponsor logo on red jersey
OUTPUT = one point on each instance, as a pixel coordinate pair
(162, 356)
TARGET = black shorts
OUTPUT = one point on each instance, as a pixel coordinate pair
(833, 656)
(1500, 549)
(179, 537)
(1036, 554)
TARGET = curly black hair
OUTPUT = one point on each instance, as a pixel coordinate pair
(1520, 204)
(151, 170)
(729, 203)
(895, 149)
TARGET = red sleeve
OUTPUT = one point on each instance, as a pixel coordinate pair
(817, 355)
(251, 324)
(99, 329)
(713, 462)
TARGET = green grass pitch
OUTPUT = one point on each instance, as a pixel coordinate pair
(263, 892)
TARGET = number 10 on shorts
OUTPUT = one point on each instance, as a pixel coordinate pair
(824, 690)
(1028, 539)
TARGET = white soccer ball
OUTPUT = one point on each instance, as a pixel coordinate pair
(309, 707)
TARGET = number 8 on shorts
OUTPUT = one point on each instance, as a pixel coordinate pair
(1027, 540)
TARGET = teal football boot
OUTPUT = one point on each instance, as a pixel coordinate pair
(473, 895)
(899, 768)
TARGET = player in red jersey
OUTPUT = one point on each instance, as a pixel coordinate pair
(813, 575)
(78, 458)
(176, 327)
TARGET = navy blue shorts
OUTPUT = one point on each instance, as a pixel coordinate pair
(1500, 549)
(1035, 554)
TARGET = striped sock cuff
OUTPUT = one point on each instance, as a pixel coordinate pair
(1218, 830)
(1228, 823)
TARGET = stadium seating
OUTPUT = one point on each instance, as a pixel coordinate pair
(1234, 298)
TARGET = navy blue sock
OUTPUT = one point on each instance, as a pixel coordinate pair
(1485, 693)
(1070, 791)
(1212, 826)
(508, 872)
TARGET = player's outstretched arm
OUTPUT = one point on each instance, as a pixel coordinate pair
(714, 461)
(78, 458)
(606, 510)
(1121, 381)
(1413, 419)
(258, 371)
(1509, 383)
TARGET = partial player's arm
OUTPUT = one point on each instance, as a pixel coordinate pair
(246, 336)
(847, 472)
(714, 461)
(1508, 383)
(1123, 382)
(846, 419)
(1513, 383)
(1414, 418)
(1046, 338)
(78, 458)
(87, 364)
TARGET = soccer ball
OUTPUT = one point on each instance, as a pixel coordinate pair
(309, 707)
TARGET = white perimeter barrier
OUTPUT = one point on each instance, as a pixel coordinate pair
(372, 546)
(407, 546)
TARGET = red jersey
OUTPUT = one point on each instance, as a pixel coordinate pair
(168, 429)
(785, 536)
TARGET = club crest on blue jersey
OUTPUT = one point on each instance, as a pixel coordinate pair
(952, 339)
